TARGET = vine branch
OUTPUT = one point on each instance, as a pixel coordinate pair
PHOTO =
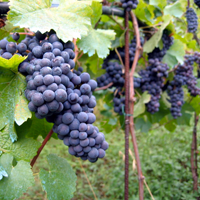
(42, 146)
(127, 117)
(104, 87)
(131, 104)
(194, 155)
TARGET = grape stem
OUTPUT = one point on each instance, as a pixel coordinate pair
(104, 87)
(131, 105)
(42, 146)
(121, 27)
(120, 58)
(22, 33)
(188, 3)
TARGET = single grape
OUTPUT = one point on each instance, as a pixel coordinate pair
(11, 47)
(43, 110)
(48, 79)
(63, 129)
(67, 118)
(53, 106)
(82, 135)
(37, 99)
(94, 153)
(48, 95)
(47, 47)
(37, 52)
(21, 47)
(82, 127)
(61, 95)
(74, 134)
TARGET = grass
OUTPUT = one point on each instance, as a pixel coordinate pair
(165, 159)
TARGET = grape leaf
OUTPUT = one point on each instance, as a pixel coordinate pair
(13, 104)
(5, 31)
(158, 3)
(154, 40)
(175, 54)
(23, 149)
(38, 127)
(60, 181)
(175, 9)
(19, 178)
(97, 11)
(72, 17)
(139, 107)
(97, 40)
(145, 12)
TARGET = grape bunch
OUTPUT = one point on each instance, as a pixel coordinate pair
(152, 80)
(176, 94)
(183, 76)
(113, 74)
(129, 4)
(56, 93)
(74, 124)
(192, 20)
(119, 101)
(160, 53)
(197, 2)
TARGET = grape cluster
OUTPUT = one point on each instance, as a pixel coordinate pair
(176, 94)
(152, 80)
(160, 53)
(129, 4)
(192, 20)
(183, 76)
(119, 101)
(113, 75)
(197, 2)
(74, 124)
(56, 93)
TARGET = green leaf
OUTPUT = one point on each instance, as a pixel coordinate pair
(60, 181)
(158, 3)
(195, 103)
(72, 17)
(175, 54)
(154, 40)
(5, 31)
(13, 104)
(145, 12)
(38, 127)
(175, 9)
(3, 172)
(23, 149)
(97, 11)
(97, 40)
(141, 124)
(171, 126)
(139, 107)
(94, 63)
(20, 178)
(12, 63)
